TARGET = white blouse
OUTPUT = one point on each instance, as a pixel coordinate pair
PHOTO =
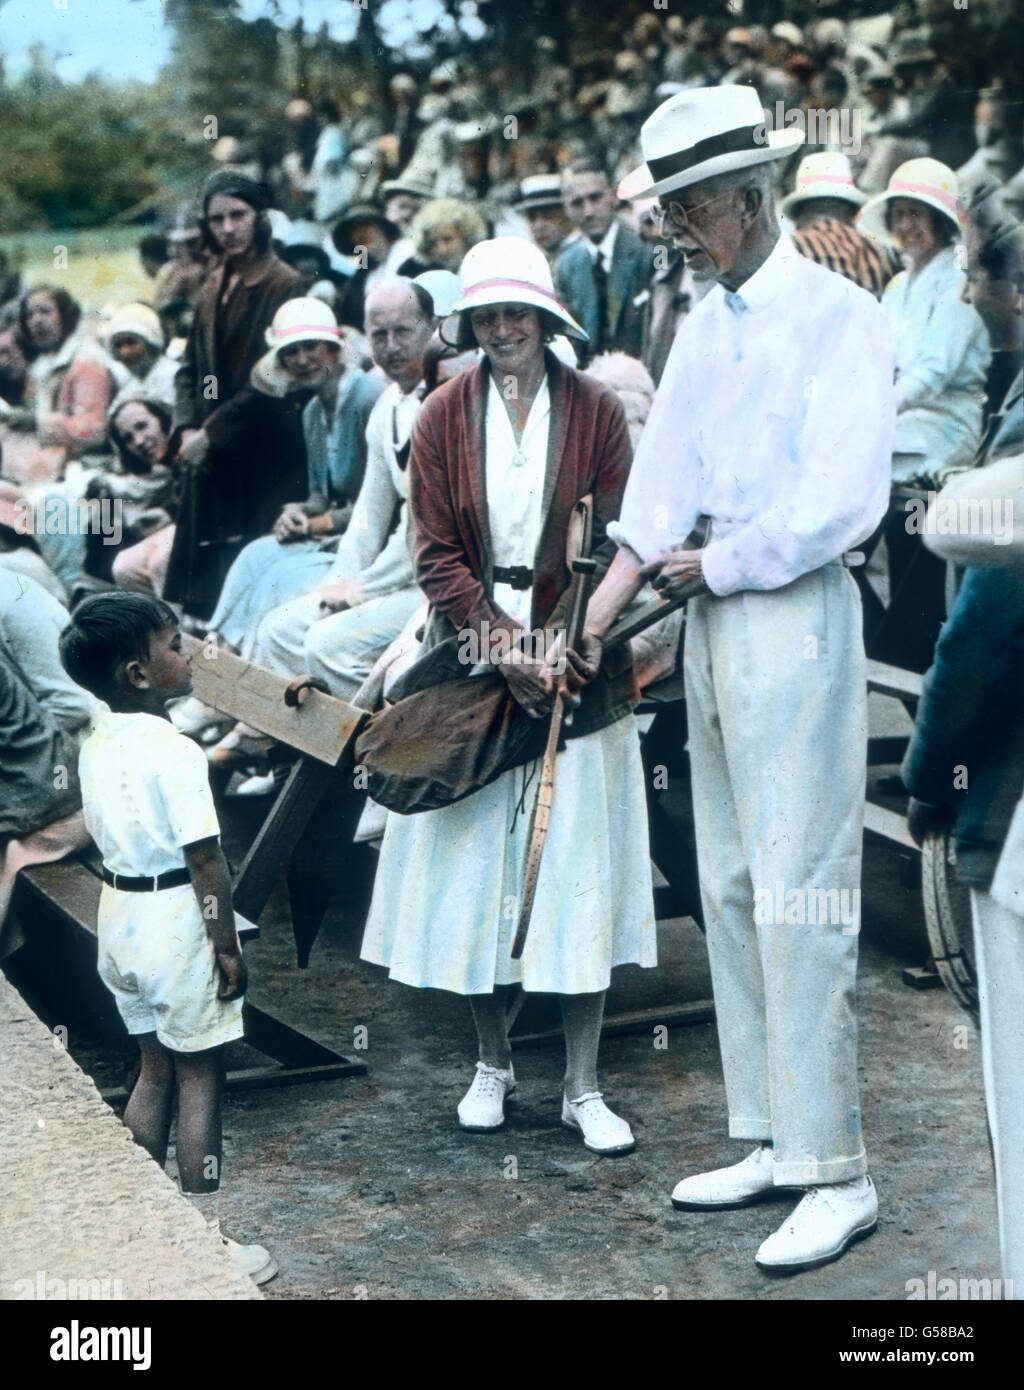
(515, 489)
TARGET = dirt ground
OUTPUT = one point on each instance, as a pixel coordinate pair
(365, 1187)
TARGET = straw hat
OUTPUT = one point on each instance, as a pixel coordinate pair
(539, 191)
(926, 181)
(702, 132)
(297, 321)
(826, 175)
(511, 270)
(411, 184)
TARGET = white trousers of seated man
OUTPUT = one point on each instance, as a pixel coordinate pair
(777, 716)
(999, 957)
(340, 648)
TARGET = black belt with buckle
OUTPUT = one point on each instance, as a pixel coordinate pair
(518, 576)
(126, 883)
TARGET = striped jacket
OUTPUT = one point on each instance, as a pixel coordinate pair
(841, 248)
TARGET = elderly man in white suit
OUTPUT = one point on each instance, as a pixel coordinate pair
(774, 418)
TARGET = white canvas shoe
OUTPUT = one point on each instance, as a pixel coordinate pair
(253, 1260)
(603, 1132)
(739, 1185)
(824, 1224)
(482, 1108)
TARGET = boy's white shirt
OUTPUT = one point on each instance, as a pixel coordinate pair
(145, 793)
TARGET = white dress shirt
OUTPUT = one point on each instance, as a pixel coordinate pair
(515, 488)
(774, 417)
(606, 246)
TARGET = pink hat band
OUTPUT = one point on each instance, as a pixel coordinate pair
(298, 330)
(827, 178)
(511, 285)
(950, 200)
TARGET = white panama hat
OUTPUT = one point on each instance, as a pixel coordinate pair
(297, 321)
(824, 175)
(702, 132)
(926, 181)
(511, 270)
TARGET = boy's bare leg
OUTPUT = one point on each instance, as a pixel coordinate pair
(489, 1017)
(148, 1112)
(198, 1143)
(581, 1020)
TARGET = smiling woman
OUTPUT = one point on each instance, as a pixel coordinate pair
(491, 560)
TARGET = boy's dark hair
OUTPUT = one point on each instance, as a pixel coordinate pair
(107, 630)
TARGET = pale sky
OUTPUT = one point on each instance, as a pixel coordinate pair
(128, 38)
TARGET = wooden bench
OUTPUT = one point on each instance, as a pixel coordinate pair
(322, 730)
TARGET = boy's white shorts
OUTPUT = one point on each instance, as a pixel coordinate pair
(157, 959)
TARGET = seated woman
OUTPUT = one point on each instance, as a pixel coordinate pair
(43, 714)
(306, 353)
(135, 338)
(499, 458)
(942, 356)
(145, 490)
(441, 233)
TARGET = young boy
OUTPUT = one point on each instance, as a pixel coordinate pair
(168, 947)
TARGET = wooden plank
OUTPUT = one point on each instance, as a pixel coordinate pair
(890, 825)
(672, 1015)
(263, 1078)
(921, 977)
(70, 889)
(894, 681)
(71, 892)
(884, 751)
(322, 726)
(279, 834)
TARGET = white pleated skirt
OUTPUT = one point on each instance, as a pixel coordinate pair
(446, 896)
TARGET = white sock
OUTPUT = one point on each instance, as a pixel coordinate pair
(208, 1206)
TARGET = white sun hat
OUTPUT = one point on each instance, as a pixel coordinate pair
(702, 132)
(511, 270)
(138, 320)
(297, 321)
(825, 175)
(926, 181)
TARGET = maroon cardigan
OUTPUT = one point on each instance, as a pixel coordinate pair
(588, 452)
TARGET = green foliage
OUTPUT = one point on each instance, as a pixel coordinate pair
(81, 154)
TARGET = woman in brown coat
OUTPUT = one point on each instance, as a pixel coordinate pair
(500, 456)
(233, 440)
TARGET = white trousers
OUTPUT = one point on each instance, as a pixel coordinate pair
(777, 713)
(339, 649)
(999, 954)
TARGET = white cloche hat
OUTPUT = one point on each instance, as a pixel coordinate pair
(511, 270)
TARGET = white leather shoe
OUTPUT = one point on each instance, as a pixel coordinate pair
(603, 1132)
(828, 1220)
(739, 1185)
(482, 1108)
(254, 1260)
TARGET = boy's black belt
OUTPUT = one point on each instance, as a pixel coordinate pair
(519, 576)
(126, 883)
